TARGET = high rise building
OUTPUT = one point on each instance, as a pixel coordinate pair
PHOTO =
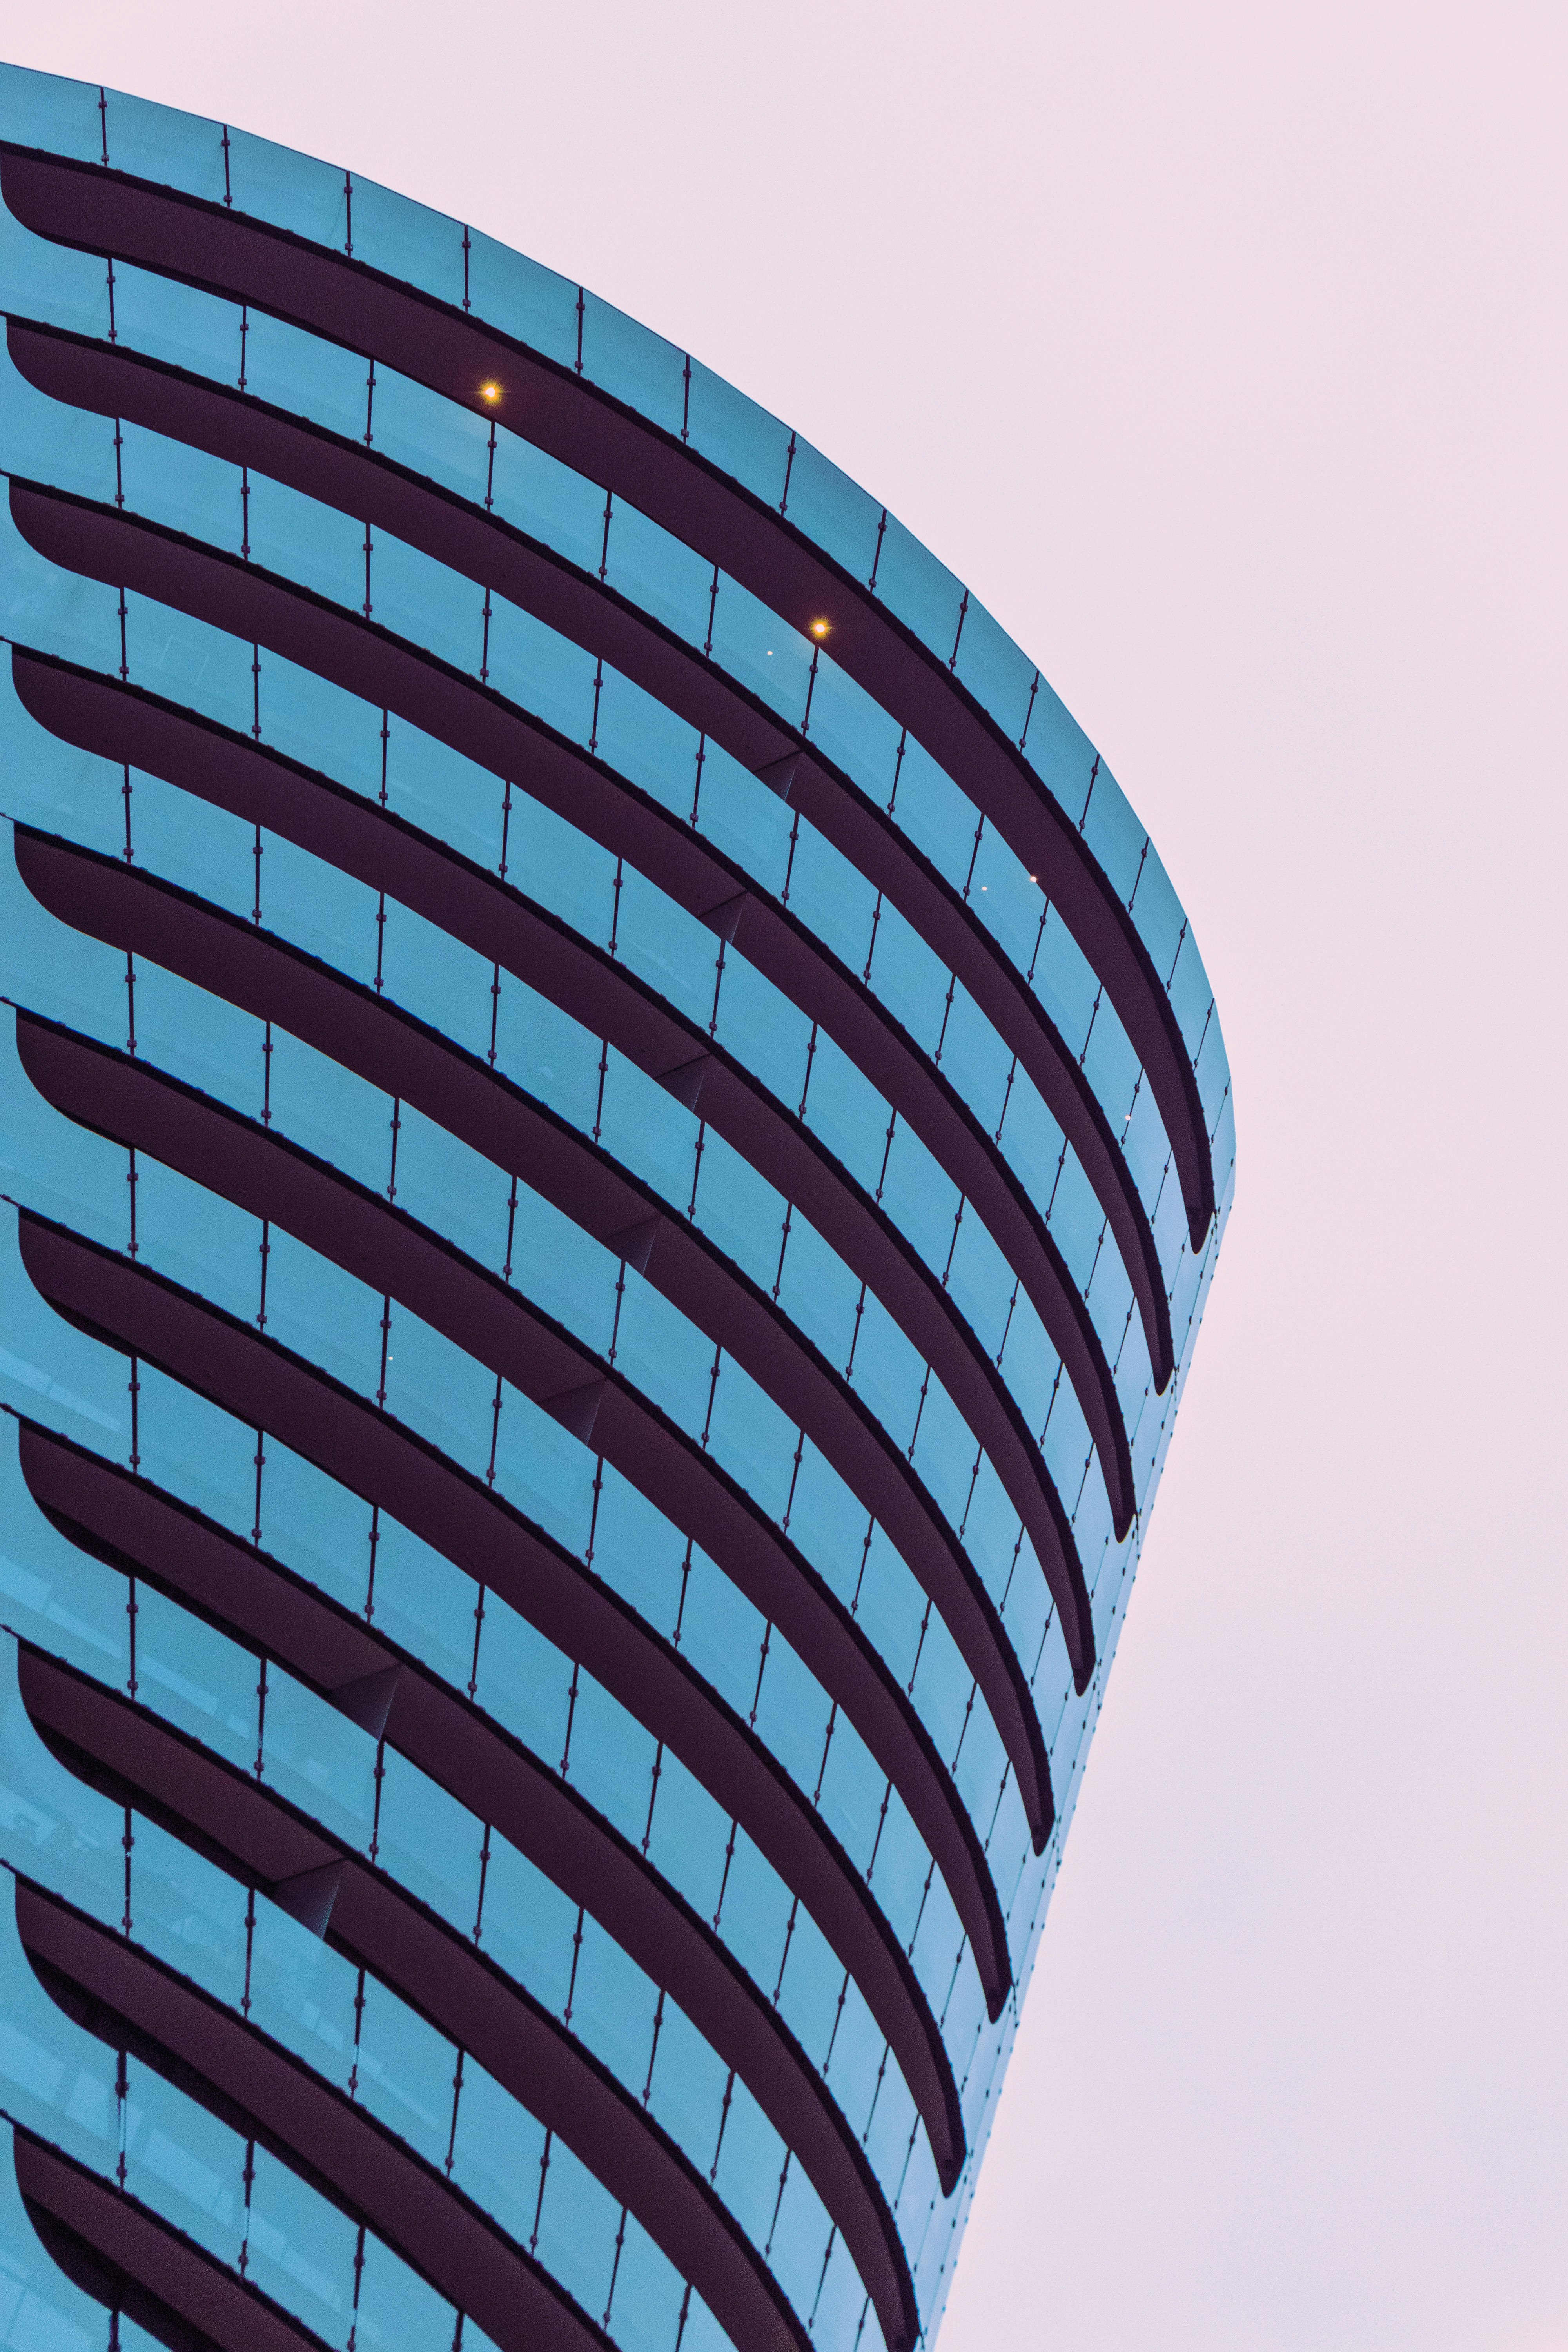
(614, 1139)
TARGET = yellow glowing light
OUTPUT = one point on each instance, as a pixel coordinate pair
(490, 391)
(819, 628)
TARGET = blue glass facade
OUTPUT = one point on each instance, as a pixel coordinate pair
(614, 1141)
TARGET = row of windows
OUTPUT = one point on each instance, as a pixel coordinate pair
(120, 2118)
(511, 477)
(618, 907)
(463, 268)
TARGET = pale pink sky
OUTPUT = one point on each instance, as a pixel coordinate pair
(1221, 348)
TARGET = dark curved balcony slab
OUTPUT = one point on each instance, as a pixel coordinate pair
(261, 1839)
(120, 2250)
(109, 213)
(261, 607)
(266, 1606)
(358, 2163)
(386, 496)
(263, 1385)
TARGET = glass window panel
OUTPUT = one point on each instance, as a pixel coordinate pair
(301, 2249)
(538, 495)
(196, 1450)
(409, 241)
(637, 367)
(319, 1760)
(800, 2234)
(319, 908)
(649, 1130)
(182, 658)
(1114, 834)
(980, 1283)
(39, 110)
(429, 1842)
(687, 2092)
(722, 1632)
(689, 1835)
(527, 1925)
(745, 818)
(1065, 981)
(421, 1601)
(435, 1387)
(196, 1678)
(541, 670)
(921, 591)
(852, 1790)
(792, 1715)
(755, 646)
(295, 190)
(819, 1294)
(764, 1031)
(611, 1759)
(184, 2163)
(156, 142)
(811, 1987)
(396, 2309)
(496, 2153)
(544, 1472)
(304, 541)
(740, 1210)
(886, 1371)
(437, 979)
(318, 723)
(332, 1111)
(645, 2315)
(853, 730)
(322, 1313)
(523, 1681)
(920, 1197)
(424, 602)
(562, 868)
(976, 1059)
(186, 1911)
(320, 1528)
(303, 1992)
(534, 304)
(751, 2158)
(998, 675)
(437, 789)
(203, 848)
(613, 2003)
(451, 1188)
(577, 2219)
(845, 1110)
(182, 489)
(638, 1551)
(1060, 752)
(64, 790)
(737, 434)
(646, 742)
(938, 818)
(833, 897)
(305, 373)
(659, 572)
(405, 2072)
(181, 324)
(828, 1522)
(752, 1438)
(664, 945)
(833, 510)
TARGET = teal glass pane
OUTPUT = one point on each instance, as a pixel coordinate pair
(527, 1925)
(419, 429)
(637, 367)
(429, 1842)
(408, 241)
(184, 2163)
(301, 2249)
(407, 2073)
(737, 436)
(303, 1993)
(157, 143)
(319, 1760)
(292, 191)
(527, 302)
(833, 511)
(305, 375)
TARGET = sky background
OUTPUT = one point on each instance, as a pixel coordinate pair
(1221, 349)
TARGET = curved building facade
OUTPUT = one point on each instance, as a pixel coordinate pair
(614, 1140)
